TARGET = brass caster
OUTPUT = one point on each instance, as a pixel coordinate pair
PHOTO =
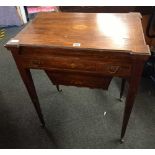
(121, 141)
(120, 99)
(58, 89)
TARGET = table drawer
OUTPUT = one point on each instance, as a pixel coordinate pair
(108, 68)
(70, 78)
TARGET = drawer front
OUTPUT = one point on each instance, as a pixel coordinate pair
(71, 63)
(70, 78)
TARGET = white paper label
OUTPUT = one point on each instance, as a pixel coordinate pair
(76, 44)
(14, 41)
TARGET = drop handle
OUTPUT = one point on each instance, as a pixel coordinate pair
(36, 62)
(73, 65)
(113, 69)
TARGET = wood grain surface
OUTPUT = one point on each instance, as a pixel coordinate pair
(95, 31)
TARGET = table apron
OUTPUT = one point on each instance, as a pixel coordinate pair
(108, 68)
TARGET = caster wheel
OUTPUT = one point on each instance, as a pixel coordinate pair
(121, 141)
(120, 99)
(60, 90)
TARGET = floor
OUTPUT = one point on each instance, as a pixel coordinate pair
(75, 118)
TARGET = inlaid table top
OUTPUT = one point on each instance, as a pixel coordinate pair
(97, 31)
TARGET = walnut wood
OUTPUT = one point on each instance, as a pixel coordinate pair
(82, 49)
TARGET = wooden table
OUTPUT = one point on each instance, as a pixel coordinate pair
(82, 49)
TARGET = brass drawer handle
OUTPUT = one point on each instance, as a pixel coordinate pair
(113, 69)
(36, 62)
(73, 65)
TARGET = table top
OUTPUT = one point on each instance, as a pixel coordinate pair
(97, 31)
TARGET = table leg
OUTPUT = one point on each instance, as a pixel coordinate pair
(28, 81)
(58, 88)
(133, 87)
(122, 88)
(50, 77)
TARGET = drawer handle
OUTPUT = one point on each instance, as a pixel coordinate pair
(73, 65)
(36, 62)
(113, 69)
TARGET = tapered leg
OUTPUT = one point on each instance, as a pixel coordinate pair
(57, 86)
(50, 77)
(133, 87)
(122, 88)
(28, 81)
